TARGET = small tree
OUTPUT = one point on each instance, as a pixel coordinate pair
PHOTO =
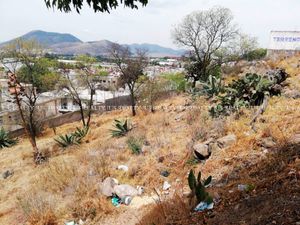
(204, 33)
(85, 78)
(151, 91)
(130, 67)
(24, 53)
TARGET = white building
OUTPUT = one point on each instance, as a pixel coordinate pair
(284, 42)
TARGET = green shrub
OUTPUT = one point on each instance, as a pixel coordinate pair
(198, 187)
(177, 81)
(256, 54)
(121, 128)
(5, 140)
(135, 144)
(248, 91)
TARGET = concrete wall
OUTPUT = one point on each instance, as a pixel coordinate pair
(115, 103)
(110, 104)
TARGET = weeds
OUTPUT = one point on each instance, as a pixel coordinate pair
(135, 144)
(5, 140)
(38, 209)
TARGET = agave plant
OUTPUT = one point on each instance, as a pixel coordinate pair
(66, 140)
(5, 140)
(79, 134)
(198, 187)
(121, 128)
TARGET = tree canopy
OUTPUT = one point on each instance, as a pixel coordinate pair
(97, 5)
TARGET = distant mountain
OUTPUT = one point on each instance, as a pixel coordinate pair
(67, 44)
(156, 50)
(49, 38)
(96, 48)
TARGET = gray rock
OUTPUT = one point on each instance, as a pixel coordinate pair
(227, 140)
(124, 190)
(202, 149)
(7, 174)
(268, 142)
(295, 139)
(213, 147)
(291, 93)
(107, 186)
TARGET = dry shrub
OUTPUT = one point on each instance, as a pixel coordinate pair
(101, 166)
(58, 175)
(90, 208)
(38, 209)
(169, 211)
(193, 115)
(89, 202)
(200, 129)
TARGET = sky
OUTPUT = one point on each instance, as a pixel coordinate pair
(150, 24)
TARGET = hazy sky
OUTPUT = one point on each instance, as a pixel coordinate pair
(151, 24)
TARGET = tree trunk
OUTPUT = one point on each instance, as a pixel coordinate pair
(90, 109)
(37, 155)
(132, 103)
(82, 114)
(194, 83)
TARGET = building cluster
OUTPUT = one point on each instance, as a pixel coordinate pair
(58, 102)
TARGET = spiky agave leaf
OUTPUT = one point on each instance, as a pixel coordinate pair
(5, 140)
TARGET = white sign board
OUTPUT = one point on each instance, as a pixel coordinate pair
(284, 40)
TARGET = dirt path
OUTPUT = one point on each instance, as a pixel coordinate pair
(131, 214)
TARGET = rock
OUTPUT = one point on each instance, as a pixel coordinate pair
(178, 117)
(166, 186)
(295, 139)
(227, 141)
(161, 159)
(268, 142)
(202, 149)
(165, 173)
(146, 148)
(7, 174)
(107, 186)
(123, 168)
(124, 190)
(291, 93)
(213, 147)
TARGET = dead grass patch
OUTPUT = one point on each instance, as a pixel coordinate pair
(38, 209)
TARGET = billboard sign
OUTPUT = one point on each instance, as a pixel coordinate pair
(284, 40)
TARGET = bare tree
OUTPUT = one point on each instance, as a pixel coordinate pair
(85, 78)
(131, 69)
(24, 53)
(204, 33)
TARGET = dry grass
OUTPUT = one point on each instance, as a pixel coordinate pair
(38, 209)
(168, 211)
(57, 176)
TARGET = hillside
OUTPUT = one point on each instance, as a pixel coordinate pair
(67, 44)
(67, 187)
(48, 38)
